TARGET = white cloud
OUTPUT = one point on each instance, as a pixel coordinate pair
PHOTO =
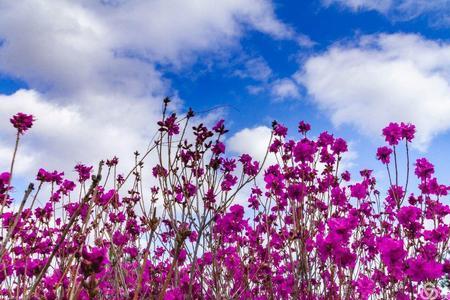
(256, 69)
(66, 134)
(252, 141)
(91, 68)
(383, 78)
(305, 41)
(284, 88)
(379, 5)
(437, 11)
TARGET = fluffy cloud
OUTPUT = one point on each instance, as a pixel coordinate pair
(66, 134)
(284, 88)
(252, 141)
(91, 68)
(383, 78)
(256, 69)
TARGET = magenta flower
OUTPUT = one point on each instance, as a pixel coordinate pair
(303, 127)
(304, 151)
(170, 125)
(408, 131)
(94, 261)
(365, 287)
(46, 176)
(119, 239)
(339, 146)
(408, 214)
(228, 182)
(250, 168)
(22, 122)
(424, 169)
(392, 255)
(84, 172)
(392, 133)
(220, 127)
(280, 130)
(112, 162)
(422, 269)
(4, 182)
(325, 139)
(358, 190)
(218, 148)
(384, 154)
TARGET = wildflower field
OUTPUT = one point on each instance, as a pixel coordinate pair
(306, 229)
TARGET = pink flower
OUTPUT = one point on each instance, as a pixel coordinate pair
(46, 176)
(365, 287)
(22, 122)
(84, 172)
(170, 125)
(392, 133)
(112, 162)
(280, 130)
(408, 131)
(250, 168)
(220, 127)
(4, 182)
(304, 151)
(228, 182)
(358, 190)
(420, 269)
(408, 214)
(392, 255)
(303, 127)
(325, 139)
(338, 196)
(218, 148)
(384, 154)
(440, 234)
(94, 261)
(119, 239)
(339, 146)
(424, 169)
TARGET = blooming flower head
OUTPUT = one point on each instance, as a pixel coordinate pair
(218, 148)
(424, 169)
(408, 215)
(339, 146)
(304, 151)
(119, 239)
(46, 176)
(392, 133)
(384, 154)
(170, 125)
(4, 182)
(358, 190)
(421, 269)
(22, 122)
(408, 131)
(392, 255)
(303, 127)
(84, 172)
(365, 286)
(280, 130)
(93, 262)
(220, 127)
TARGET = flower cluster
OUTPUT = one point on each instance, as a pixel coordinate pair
(303, 231)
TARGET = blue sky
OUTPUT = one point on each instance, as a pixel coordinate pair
(94, 72)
